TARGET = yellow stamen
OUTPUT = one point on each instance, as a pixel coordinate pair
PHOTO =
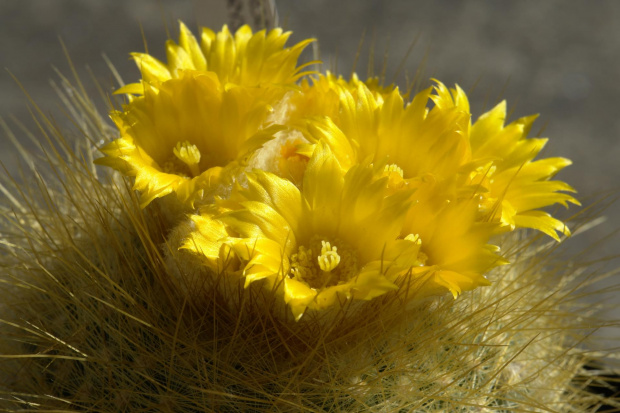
(395, 176)
(189, 155)
(322, 264)
(329, 258)
(415, 238)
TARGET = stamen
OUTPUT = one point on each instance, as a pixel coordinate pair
(189, 155)
(395, 176)
(415, 238)
(393, 168)
(329, 258)
(322, 265)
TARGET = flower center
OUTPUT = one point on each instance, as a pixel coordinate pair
(189, 155)
(395, 176)
(322, 264)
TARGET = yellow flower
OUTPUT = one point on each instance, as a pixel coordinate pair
(517, 186)
(337, 239)
(185, 135)
(244, 59)
(486, 161)
(342, 237)
(204, 113)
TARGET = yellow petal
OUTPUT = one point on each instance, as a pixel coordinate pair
(543, 222)
(152, 69)
(322, 188)
(178, 58)
(298, 296)
(189, 43)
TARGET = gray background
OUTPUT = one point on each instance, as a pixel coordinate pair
(559, 58)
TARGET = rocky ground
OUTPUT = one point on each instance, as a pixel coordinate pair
(558, 58)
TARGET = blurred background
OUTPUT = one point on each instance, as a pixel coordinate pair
(557, 58)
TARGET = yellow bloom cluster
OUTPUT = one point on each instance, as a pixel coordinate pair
(324, 190)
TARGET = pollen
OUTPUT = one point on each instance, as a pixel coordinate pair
(189, 155)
